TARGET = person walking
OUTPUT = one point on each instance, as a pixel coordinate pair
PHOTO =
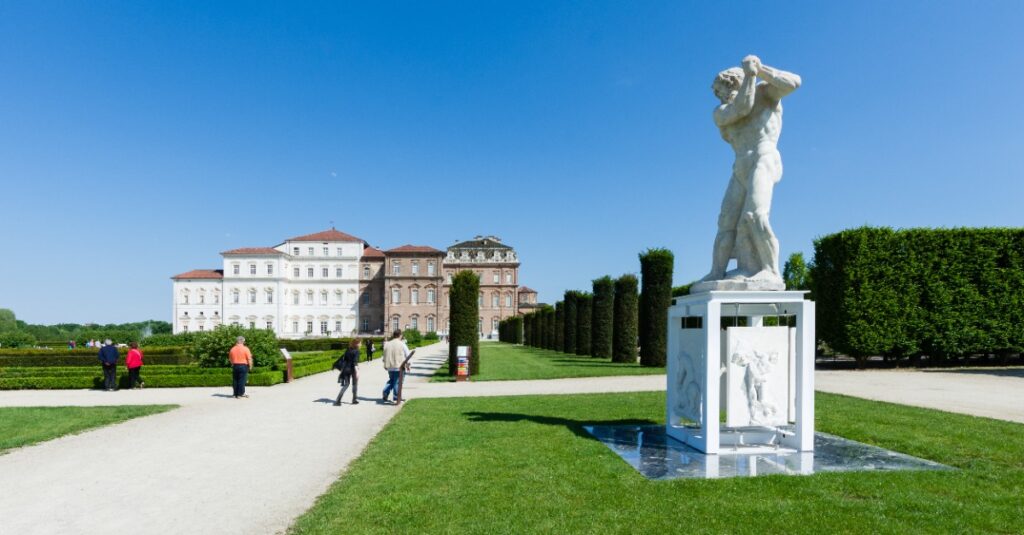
(369, 349)
(348, 365)
(395, 352)
(134, 364)
(241, 362)
(108, 358)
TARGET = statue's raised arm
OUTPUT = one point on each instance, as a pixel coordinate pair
(737, 91)
(779, 82)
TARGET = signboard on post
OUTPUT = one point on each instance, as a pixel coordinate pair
(288, 373)
(462, 363)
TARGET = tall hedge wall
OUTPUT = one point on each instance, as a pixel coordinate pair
(584, 308)
(559, 326)
(549, 327)
(528, 329)
(517, 329)
(938, 292)
(569, 336)
(602, 315)
(655, 298)
(464, 319)
(625, 327)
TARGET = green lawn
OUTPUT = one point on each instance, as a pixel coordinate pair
(22, 426)
(508, 362)
(525, 465)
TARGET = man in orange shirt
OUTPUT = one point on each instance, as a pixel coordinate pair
(241, 362)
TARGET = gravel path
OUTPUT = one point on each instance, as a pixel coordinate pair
(993, 393)
(216, 465)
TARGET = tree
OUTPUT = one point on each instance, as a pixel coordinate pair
(796, 273)
(569, 337)
(527, 329)
(655, 298)
(549, 327)
(602, 315)
(8, 322)
(624, 332)
(465, 317)
(517, 329)
(584, 308)
(211, 348)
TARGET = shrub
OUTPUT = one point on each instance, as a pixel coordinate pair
(211, 347)
(625, 320)
(431, 336)
(412, 336)
(16, 339)
(464, 318)
(570, 321)
(584, 304)
(602, 314)
(655, 298)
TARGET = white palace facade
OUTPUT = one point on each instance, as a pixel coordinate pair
(333, 284)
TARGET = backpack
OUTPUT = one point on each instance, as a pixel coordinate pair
(339, 364)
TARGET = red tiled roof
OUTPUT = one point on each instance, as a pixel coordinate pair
(327, 235)
(253, 250)
(373, 252)
(201, 274)
(526, 290)
(414, 249)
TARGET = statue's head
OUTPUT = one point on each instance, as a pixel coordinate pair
(727, 84)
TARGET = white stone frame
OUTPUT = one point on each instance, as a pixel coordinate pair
(716, 438)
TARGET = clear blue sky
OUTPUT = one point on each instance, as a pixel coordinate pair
(139, 139)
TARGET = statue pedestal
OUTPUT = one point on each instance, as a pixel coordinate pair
(750, 356)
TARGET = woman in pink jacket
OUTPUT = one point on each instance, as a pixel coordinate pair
(134, 364)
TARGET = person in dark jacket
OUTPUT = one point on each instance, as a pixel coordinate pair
(347, 365)
(108, 358)
(369, 349)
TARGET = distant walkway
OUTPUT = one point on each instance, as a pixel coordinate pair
(992, 393)
(216, 465)
(577, 385)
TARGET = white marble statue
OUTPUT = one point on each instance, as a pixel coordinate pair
(750, 120)
(758, 367)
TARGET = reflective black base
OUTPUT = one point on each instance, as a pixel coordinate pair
(659, 456)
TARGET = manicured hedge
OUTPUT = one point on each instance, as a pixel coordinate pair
(464, 318)
(602, 314)
(943, 293)
(548, 313)
(625, 320)
(559, 326)
(655, 298)
(90, 359)
(584, 307)
(571, 320)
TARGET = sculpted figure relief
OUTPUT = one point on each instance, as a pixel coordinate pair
(750, 120)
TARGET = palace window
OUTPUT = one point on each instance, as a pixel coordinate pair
(415, 297)
(494, 324)
(480, 326)
(309, 272)
(310, 251)
(415, 322)
(338, 297)
(508, 300)
(494, 300)
(309, 327)
(323, 297)
(430, 269)
(184, 299)
(295, 301)
(325, 272)
(430, 296)
(364, 324)
(323, 327)
(252, 324)
(326, 251)
(270, 269)
(508, 278)
(496, 277)
(309, 297)
(337, 326)
(202, 299)
(234, 296)
(396, 268)
(449, 277)
(295, 272)
(295, 327)
(366, 298)
(338, 272)
(415, 267)
(216, 299)
(295, 252)
(480, 300)
(340, 252)
(270, 297)
(252, 297)
(394, 323)
(366, 272)
(430, 324)
(235, 269)
(270, 326)
(202, 327)
(395, 296)
(252, 269)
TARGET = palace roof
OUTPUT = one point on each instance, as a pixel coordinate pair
(526, 290)
(373, 252)
(481, 242)
(327, 235)
(201, 274)
(414, 249)
(253, 251)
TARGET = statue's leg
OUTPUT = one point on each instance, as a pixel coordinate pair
(728, 218)
(756, 209)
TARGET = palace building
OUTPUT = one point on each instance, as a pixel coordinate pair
(334, 284)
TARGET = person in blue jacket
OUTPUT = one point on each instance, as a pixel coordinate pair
(108, 358)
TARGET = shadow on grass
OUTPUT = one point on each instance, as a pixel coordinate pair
(576, 426)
